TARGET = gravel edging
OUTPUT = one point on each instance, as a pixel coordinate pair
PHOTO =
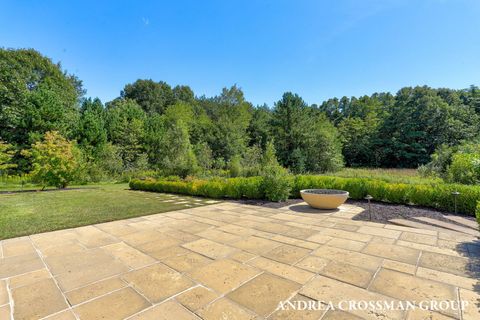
(381, 212)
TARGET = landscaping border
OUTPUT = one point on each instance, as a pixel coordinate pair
(439, 195)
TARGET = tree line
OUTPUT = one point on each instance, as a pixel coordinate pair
(154, 126)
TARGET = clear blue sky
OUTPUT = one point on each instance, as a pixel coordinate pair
(318, 49)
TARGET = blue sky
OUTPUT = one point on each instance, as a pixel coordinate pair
(318, 49)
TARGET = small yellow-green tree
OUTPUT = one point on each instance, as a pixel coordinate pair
(55, 160)
(6, 155)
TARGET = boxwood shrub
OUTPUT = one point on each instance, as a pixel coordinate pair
(435, 195)
(477, 213)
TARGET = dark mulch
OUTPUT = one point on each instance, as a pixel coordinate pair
(380, 212)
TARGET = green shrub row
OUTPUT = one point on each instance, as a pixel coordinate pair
(234, 188)
(477, 213)
(438, 196)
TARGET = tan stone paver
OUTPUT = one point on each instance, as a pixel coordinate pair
(393, 252)
(450, 264)
(128, 255)
(426, 315)
(291, 314)
(462, 282)
(282, 270)
(157, 282)
(187, 261)
(313, 263)
(256, 245)
(116, 305)
(410, 288)
(263, 293)
(287, 254)
(28, 278)
(5, 312)
(3, 293)
(419, 238)
(225, 309)
(63, 315)
(196, 298)
(346, 244)
(17, 247)
(347, 273)
(37, 300)
(340, 315)
(351, 257)
(88, 272)
(327, 289)
(223, 275)
(235, 261)
(399, 266)
(94, 290)
(209, 248)
(473, 309)
(166, 311)
(12, 266)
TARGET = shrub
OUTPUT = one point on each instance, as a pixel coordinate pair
(277, 184)
(478, 212)
(235, 188)
(436, 195)
(465, 168)
(55, 160)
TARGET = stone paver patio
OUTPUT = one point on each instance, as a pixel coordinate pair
(236, 261)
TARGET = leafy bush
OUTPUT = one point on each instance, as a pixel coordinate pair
(235, 188)
(456, 164)
(55, 160)
(478, 212)
(435, 195)
(465, 168)
(278, 185)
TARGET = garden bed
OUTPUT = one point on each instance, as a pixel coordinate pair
(381, 212)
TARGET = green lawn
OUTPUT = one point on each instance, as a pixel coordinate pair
(35, 212)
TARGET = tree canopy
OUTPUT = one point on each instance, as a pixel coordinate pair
(152, 125)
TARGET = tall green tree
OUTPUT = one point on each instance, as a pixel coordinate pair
(305, 139)
(92, 133)
(178, 157)
(153, 97)
(230, 116)
(259, 130)
(125, 122)
(419, 122)
(183, 94)
(36, 96)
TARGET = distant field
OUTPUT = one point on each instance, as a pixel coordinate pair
(35, 212)
(390, 175)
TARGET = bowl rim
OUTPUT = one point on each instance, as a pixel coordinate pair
(331, 192)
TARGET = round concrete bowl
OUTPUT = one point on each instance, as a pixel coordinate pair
(324, 198)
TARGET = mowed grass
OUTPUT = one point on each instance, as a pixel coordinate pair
(34, 212)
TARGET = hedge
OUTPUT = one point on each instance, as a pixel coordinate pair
(438, 196)
(233, 188)
(478, 212)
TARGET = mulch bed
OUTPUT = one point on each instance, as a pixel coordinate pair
(380, 212)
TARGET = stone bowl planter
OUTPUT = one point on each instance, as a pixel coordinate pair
(324, 198)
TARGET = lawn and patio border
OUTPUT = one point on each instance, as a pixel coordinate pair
(436, 195)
